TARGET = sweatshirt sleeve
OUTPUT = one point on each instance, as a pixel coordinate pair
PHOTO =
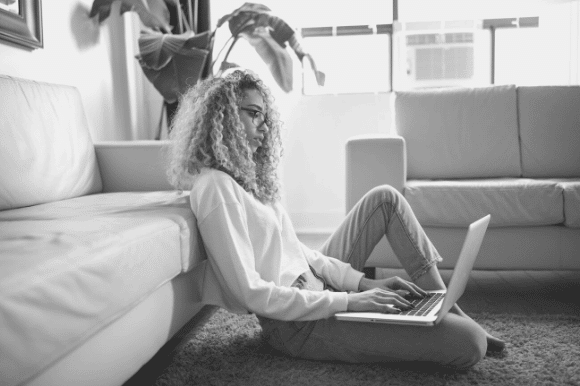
(338, 274)
(226, 238)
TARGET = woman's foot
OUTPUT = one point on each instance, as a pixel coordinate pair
(494, 345)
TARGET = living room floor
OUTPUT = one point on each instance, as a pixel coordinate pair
(517, 292)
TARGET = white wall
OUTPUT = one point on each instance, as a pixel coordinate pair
(314, 163)
(78, 52)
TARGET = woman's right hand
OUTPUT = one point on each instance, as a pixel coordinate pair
(377, 300)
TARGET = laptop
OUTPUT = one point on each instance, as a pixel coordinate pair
(430, 310)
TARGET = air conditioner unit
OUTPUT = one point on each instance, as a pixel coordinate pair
(436, 57)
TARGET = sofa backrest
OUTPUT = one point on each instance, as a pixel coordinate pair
(46, 149)
(459, 132)
(550, 130)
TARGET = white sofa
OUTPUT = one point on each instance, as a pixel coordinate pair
(96, 249)
(461, 153)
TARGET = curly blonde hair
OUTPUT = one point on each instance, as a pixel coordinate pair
(206, 131)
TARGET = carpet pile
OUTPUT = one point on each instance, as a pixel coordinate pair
(229, 350)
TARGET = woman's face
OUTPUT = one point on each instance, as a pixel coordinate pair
(252, 115)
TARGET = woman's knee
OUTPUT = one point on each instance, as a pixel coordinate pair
(383, 194)
(472, 354)
(471, 346)
(462, 342)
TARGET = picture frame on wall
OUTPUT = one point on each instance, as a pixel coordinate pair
(21, 23)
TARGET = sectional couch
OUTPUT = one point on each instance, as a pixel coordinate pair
(458, 154)
(97, 251)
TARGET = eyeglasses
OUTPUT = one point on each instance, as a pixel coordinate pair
(258, 117)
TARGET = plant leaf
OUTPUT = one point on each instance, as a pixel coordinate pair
(320, 76)
(299, 51)
(268, 34)
(276, 57)
(102, 8)
(173, 62)
(248, 8)
(156, 16)
(153, 13)
(281, 31)
(227, 65)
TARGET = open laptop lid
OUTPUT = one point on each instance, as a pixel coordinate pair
(457, 284)
(464, 265)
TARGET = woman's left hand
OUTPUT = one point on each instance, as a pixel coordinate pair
(394, 283)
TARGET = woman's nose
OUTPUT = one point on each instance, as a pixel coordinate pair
(264, 127)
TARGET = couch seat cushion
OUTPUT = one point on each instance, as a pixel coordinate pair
(571, 187)
(510, 201)
(69, 268)
(63, 280)
(168, 205)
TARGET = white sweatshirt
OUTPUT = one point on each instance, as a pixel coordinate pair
(253, 256)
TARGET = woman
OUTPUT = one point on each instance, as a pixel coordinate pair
(226, 148)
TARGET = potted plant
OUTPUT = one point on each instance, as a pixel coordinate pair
(173, 57)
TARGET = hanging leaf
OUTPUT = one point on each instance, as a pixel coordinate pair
(227, 66)
(295, 44)
(173, 63)
(250, 8)
(320, 76)
(268, 34)
(281, 31)
(153, 13)
(156, 16)
(276, 58)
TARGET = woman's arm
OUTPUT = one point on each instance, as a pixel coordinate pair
(226, 238)
(338, 274)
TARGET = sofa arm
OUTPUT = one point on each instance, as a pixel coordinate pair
(373, 160)
(132, 165)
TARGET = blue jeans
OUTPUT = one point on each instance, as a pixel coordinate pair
(456, 342)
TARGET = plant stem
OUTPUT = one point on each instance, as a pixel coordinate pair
(193, 14)
(179, 15)
(232, 46)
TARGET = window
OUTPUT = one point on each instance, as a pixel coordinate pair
(429, 44)
(522, 42)
(351, 43)
(544, 55)
(439, 54)
(357, 61)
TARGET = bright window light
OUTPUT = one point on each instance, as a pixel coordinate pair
(352, 64)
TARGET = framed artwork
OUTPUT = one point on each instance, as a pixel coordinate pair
(21, 22)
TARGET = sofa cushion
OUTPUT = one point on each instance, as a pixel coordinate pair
(47, 152)
(69, 268)
(550, 130)
(162, 205)
(571, 188)
(64, 280)
(459, 132)
(510, 201)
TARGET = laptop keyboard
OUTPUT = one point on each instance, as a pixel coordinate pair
(423, 306)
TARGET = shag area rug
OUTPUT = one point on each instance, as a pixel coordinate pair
(229, 350)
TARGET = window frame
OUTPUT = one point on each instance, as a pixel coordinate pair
(491, 24)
